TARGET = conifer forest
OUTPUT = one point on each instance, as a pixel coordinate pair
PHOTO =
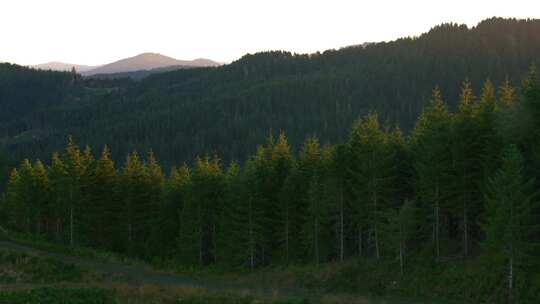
(417, 159)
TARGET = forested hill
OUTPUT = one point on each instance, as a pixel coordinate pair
(230, 109)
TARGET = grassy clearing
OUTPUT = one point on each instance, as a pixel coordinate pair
(58, 295)
(19, 268)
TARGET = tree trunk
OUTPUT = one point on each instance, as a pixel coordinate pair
(287, 234)
(199, 213)
(377, 250)
(510, 279)
(401, 257)
(341, 227)
(316, 241)
(58, 230)
(71, 225)
(401, 249)
(436, 225)
(465, 231)
(251, 238)
(38, 223)
(71, 217)
(360, 244)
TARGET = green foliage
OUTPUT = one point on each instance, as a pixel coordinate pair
(409, 202)
(57, 295)
(229, 109)
(19, 268)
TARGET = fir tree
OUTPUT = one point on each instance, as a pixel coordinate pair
(373, 174)
(74, 169)
(510, 222)
(431, 161)
(467, 148)
(400, 229)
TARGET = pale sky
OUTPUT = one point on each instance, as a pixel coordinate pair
(101, 31)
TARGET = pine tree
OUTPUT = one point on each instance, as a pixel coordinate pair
(26, 197)
(510, 222)
(40, 202)
(467, 147)
(13, 203)
(133, 194)
(506, 95)
(311, 173)
(74, 169)
(106, 211)
(178, 196)
(155, 184)
(373, 174)
(86, 202)
(59, 195)
(487, 115)
(400, 229)
(200, 216)
(249, 217)
(281, 163)
(431, 161)
(339, 205)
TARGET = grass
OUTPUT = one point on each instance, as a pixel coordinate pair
(354, 281)
(78, 251)
(18, 268)
(58, 295)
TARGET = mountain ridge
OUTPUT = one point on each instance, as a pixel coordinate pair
(63, 66)
(142, 62)
(147, 61)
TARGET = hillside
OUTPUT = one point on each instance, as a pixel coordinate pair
(230, 109)
(147, 61)
(61, 66)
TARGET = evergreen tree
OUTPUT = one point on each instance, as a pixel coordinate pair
(281, 163)
(487, 115)
(373, 173)
(40, 203)
(178, 195)
(400, 229)
(26, 196)
(200, 216)
(338, 203)
(154, 224)
(134, 197)
(432, 162)
(248, 217)
(106, 211)
(59, 199)
(74, 168)
(467, 148)
(510, 222)
(13, 204)
(312, 173)
(506, 95)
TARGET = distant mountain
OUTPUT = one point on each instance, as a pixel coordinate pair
(147, 61)
(230, 109)
(61, 66)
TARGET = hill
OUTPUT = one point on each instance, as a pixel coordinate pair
(140, 74)
(61, 66)
(147, 61)
(230, 109)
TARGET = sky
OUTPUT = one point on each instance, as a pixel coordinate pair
(95, 32)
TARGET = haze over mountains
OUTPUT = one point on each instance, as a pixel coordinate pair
(141, 62)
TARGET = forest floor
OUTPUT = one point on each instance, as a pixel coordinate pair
(142, 277)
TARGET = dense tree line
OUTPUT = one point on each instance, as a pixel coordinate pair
(228, 110)
(460, 185)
